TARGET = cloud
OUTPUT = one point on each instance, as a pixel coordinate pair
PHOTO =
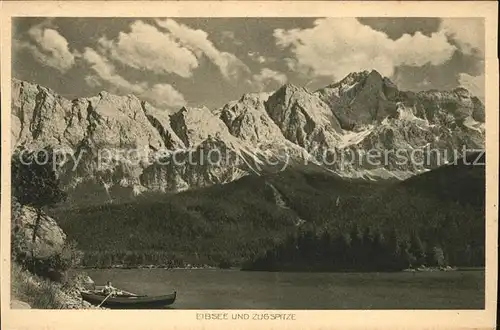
(162, 95)
(337, 46)
(475, 84)
(48, 47)
(418, 50)
(255, 56)
(468, 33)
(175, 48)
(197, 41)
(92, 81)
(267, 77)
(106, 71)
(147, 48)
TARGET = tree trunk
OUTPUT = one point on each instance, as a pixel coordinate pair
(37, 223)
(33, 239)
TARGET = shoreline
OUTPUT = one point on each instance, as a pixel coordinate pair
(408, 270)
(149, 267)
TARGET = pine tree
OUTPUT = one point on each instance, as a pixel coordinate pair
(35, 183)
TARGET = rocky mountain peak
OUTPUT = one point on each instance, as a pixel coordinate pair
(247, 119)
(351, 78)
(160, 120)
(288, 89)
(364, 98)
(374, 74)
(254, 98)
(302, 117)
(194, 125)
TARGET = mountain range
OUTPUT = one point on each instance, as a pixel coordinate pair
(119, 147)
(276, 193)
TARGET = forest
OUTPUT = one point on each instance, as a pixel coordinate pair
(294, 220)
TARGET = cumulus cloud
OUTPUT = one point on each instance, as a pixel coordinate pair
(197, 41)
(106, 71)
(145, 47)
(468, 33)
(170, 47)
(337, 46)
(48, 47)
(475, 84)
(266, 77)
(162, 95)
(418, 50)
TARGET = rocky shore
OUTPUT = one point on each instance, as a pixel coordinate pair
(188, 266)
(431, 269)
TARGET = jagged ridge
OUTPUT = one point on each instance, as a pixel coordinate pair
(363, 111)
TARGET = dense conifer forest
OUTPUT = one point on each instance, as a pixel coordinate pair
(294, 220)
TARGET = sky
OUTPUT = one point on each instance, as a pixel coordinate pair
(173, 62)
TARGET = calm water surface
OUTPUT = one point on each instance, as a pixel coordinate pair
(234, 289)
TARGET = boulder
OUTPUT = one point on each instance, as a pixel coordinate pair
(50, 238)
(17, 304)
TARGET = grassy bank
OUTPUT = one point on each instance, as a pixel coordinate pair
(37, 292)
(42, 293)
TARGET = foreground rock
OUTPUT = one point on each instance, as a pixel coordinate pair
(16, 304)
(50, 238)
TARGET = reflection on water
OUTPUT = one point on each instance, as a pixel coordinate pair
(232, 289)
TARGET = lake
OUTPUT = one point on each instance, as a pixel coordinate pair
(234, 289)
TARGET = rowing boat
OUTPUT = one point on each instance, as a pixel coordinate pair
(127, 301)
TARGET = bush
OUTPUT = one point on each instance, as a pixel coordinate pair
(52, 267)
(68, 258)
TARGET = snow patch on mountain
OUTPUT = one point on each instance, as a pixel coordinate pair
(354, 137)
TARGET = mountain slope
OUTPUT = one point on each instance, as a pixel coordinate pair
(428, 128)
(116, 142)
(303, 118)
(463, 181)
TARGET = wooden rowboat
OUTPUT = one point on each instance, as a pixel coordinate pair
(127, 301)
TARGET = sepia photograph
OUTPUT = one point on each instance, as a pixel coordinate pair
(274, 164)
